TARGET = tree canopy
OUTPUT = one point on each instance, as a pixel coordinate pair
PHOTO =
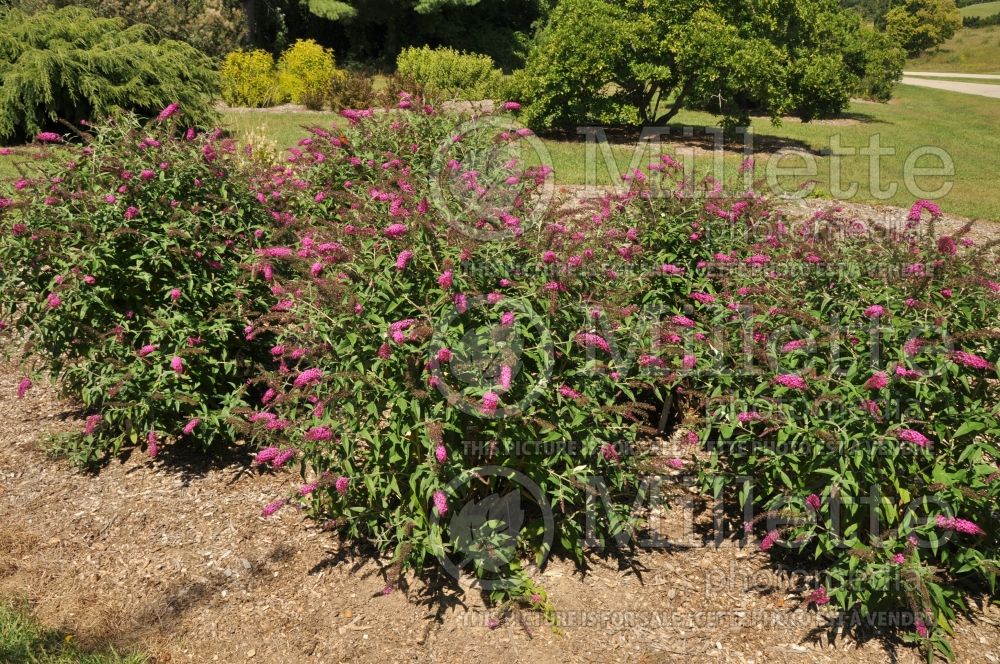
(919, 25)
(336, 10)
(375, 31)
(641, 61)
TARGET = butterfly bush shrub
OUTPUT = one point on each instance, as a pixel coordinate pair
(121, 262)
(428, 322)
(843, 378)
(401, 309)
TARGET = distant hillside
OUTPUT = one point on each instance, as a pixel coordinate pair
(981, 9)
(971, 51)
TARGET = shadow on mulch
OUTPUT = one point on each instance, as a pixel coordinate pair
(164, 616)
(187, 461)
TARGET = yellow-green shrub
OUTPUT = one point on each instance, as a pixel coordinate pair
(445, 72)
(248, 78)
(307, 73)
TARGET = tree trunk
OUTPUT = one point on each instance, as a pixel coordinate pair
(250, 11)
(391, 40)
(677, 105)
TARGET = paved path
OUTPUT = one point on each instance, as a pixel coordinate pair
(981, 89)
(951, 75)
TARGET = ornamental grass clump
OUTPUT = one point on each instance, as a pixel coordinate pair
(122, 268)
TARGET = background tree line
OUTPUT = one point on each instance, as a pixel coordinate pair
(371, 33)
(623, 62)
(368, 33)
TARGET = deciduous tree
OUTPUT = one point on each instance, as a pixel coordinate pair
(641, 61)
(919, 25)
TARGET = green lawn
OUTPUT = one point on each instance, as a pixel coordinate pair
(24, 641)
(957, 79)
(971, 51)
(22, 155)
(285, 129)
(962, 126)
(982, 9)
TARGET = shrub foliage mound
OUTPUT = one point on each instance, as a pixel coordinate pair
(248, 78)
(845, 381)
(468, 373)
(449, 74)
(211, 26)
(307, 73)
(838, 381)
(642, 62)
(70, 65)
(121, 271)
(414, 350)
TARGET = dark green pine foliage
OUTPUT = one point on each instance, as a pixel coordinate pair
(71, 65)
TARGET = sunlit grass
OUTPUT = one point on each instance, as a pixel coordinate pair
(961, 126)
(971, 51)
(958, 79)
(983, 9)
(284, 128)
(24, 641)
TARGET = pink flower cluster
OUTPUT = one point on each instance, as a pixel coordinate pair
(819, 597)
(266, 456)
(23, 387)
(568, 392)
(168, 112)
(794, 345)
(874, 312)
(918, 208)
(791, 381)
(913, 436)
(591, 340)
(769, 540)
(272, 508)
(342, 484)
(878, 381)
(440, 502)
(489, 404)
(958, 525)
(971, 361)
(308, 377)
(319, 434)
